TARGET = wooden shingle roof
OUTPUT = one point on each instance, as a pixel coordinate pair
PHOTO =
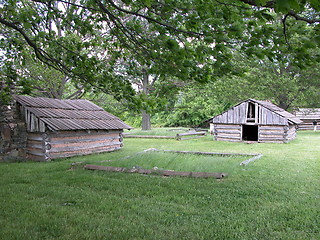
(308, 113)
(70, 114)
(274, 108)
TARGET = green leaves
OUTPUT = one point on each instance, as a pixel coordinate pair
(287, 5)
(105, 43)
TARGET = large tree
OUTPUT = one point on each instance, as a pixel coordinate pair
(86, 39)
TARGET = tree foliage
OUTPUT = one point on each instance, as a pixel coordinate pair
(182, 38)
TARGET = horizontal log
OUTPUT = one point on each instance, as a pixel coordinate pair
(201, 130)
(35, 152)
(188, 138)
(229, 140)
(271, 128)
(265, 141)
(271, 133)
(157, 172)
(245, 162)
(79, 133)
(229, 132)
(80, 153)
(271, 138)
(227, 137)
(149, 136)
(207, 153)
(190, 134)
(227, 126)
(176, 129)
(87, 140)
(67, 148)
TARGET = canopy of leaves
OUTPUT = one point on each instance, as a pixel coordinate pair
(187, 39)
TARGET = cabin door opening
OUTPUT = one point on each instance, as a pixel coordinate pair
(249, 133)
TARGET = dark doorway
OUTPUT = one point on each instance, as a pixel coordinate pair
(249, 132)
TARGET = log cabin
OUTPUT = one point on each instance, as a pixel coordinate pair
(255, 120)
(64, 128)
(307, 116)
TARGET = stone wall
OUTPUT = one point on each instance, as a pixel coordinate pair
(13, 134)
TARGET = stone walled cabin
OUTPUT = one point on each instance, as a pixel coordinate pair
(63, 128)
(254, 120)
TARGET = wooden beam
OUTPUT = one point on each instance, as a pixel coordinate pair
(148, 136)
(157, 172)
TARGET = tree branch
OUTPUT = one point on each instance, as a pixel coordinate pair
(271, 4)
(299, 18)
(153, 20)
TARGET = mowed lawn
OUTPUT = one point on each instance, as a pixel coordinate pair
(274, 197)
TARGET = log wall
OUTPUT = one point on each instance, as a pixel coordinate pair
(52, 145)
(307, 124)
(228, 132)
(272, 133)
(291, 133)
(266, 133)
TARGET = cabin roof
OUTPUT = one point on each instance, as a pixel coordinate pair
(278, 110)
(70, 114)
(272, 107)
(308, 113)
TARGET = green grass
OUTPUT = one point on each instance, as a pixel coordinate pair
(158, 131)
(274, 197)
(180, 162)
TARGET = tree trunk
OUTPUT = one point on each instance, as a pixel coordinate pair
(146, 122)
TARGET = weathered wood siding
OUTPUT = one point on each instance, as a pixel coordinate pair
(228, 132)
(266, 133)
(271, 133)
(270, 123)
(307, 124)
(235, 115)
(238, 115)
(33, 123)
(267, 117)
(290, 133)
(52, 145)
(307, 116)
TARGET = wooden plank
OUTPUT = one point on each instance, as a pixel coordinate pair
(207, 153)
(81, 133)
(230, 132)
(256, 111)
(271, 139)
(35, 137)
(35, 145)
(231, 126)
(191, 133)
(67, 148)
(34, 152)
(228, 137)
(157, 172)
(149, 136)
(271, 133)
(86, 140)
(246, 162)
(194, 137)
(79, 153)
(271, 128)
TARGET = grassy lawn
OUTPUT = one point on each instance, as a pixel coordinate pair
(179, 162)
(158, 131)
(274, 197)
